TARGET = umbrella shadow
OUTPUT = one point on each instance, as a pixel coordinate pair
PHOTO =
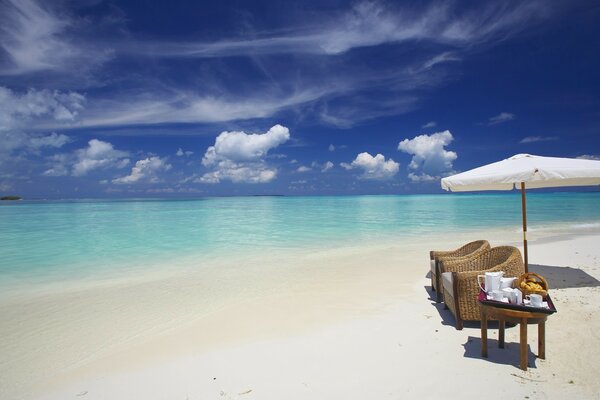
(509, 355)
(564, 277)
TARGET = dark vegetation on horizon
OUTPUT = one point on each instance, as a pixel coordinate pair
(10, 198)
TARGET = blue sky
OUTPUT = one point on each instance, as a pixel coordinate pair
(178, 99)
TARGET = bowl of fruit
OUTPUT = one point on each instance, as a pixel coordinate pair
(532, 283)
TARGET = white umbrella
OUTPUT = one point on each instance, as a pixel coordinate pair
(525, 170)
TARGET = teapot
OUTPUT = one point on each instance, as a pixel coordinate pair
(492, 281)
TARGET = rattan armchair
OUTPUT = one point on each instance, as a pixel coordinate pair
(469, 250)
(459, 281)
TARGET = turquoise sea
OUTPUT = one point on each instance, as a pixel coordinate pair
(47, 240)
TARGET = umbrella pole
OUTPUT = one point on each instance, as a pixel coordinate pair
(524, 211)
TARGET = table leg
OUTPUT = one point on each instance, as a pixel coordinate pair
(484, 352)
(501, 333)
(523, 344)
(542, 340)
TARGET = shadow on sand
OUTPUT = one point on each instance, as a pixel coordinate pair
(509, 355)
(564, 277)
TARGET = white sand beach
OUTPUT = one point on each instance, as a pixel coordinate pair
(351, 323)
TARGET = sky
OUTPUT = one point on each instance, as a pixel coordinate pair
(103, 99)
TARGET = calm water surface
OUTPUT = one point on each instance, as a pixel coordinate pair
(44, 239)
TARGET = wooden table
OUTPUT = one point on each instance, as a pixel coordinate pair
(494, 310)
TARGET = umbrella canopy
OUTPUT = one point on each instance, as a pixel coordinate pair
(529, 171)
(534, 171)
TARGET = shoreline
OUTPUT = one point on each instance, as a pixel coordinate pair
(331, 291)
(19, 288)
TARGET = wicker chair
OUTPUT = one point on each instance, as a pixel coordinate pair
(467, 251)
(459, 282)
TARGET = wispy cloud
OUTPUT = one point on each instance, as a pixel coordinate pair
(533, 139)
(430, 124)
(500, 118)
(37, 38)
(367, 24)
(340, 97)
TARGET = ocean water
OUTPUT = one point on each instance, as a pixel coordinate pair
(51, 240)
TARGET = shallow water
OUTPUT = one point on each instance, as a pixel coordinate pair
(52, 240)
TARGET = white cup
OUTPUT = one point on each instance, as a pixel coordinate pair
(519, 296)
(497, 295)
(535, 299)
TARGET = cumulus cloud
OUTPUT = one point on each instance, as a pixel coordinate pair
(533, 139)
(375, 168)
(20, 110)
(327, 166)
(181, 153)
(303, 168)
(430, 124)
(502, 117)
(423, 177)
(240, 157)
(98, 154)
(145, 170)
(429, 154)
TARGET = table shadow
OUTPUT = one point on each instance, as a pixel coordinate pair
(509, 355)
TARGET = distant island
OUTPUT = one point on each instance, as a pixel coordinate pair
(10, 198)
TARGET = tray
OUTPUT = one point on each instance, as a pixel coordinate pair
(482, 298)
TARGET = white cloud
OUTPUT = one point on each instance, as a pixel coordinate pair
(375, 168)
(181, 153)
(239, 173)
(327, 166)
(331, 147)
(97, 155)
(35, 38)
(303, 168)
(430, 124)
(52, 140)
(367, 24)
(18, 110)
(421, 177)
(240, 157)
(145, 170)
(533, 139)
(429, 154)
(502, 117)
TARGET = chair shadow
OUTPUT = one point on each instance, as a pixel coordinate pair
(509, 355)
(564, 277)
(446, 316)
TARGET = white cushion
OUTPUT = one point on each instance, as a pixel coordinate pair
(447, 282)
